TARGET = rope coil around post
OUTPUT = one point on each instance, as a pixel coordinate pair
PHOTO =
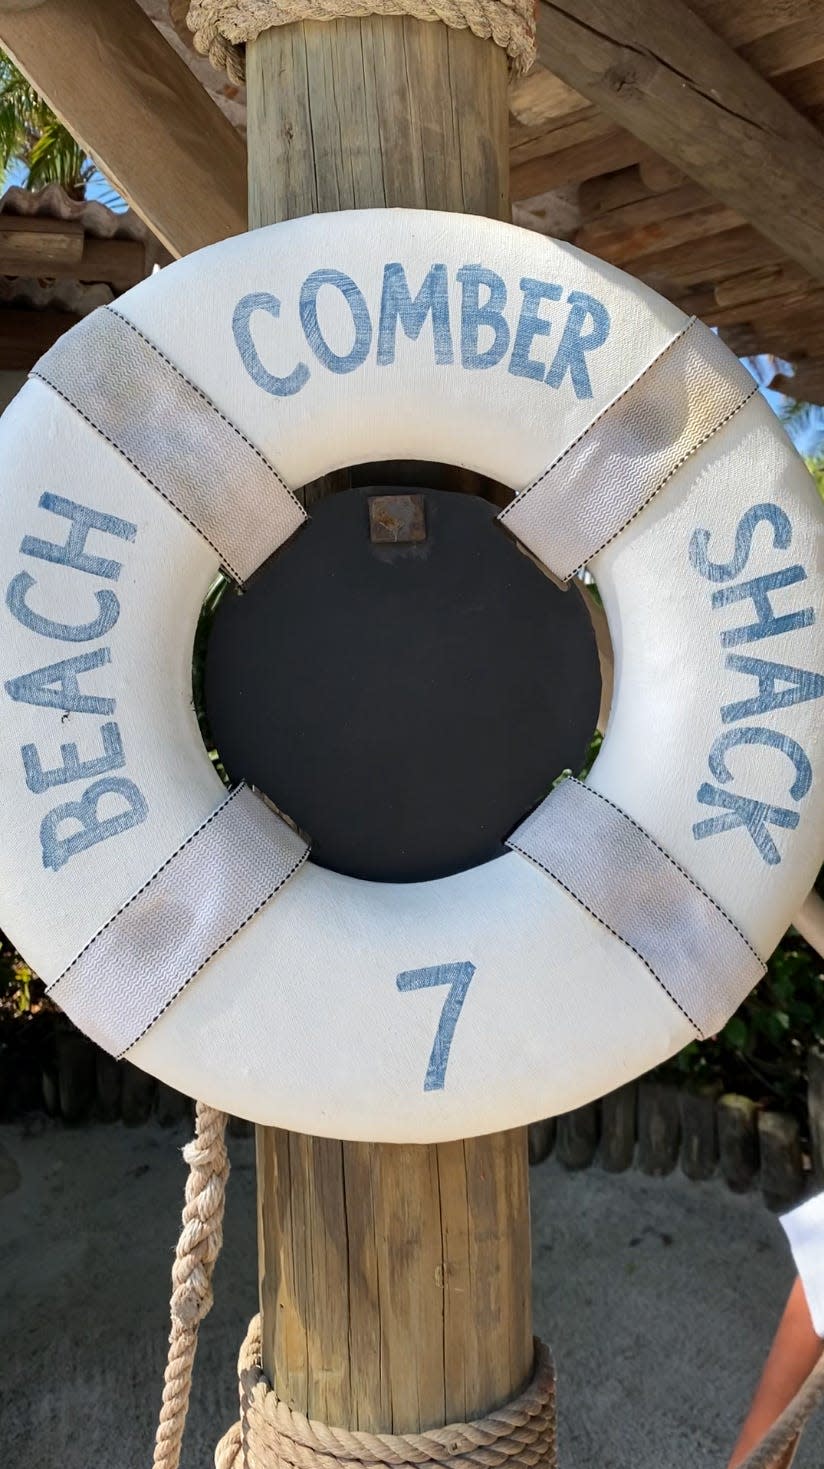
(221, 28)
(271, 1435)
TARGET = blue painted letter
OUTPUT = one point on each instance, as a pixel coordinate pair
(802, 686)
(457, 976)
(57, 686)
(749, 736)
(398, 306)
(73, 768)
(57, 850)
(531, 325)
(573, 344)
(66, 632)
(474, 316)
(279, 387)
(767, 625)
(360, 318)
(727, 571)
(74, 553)
(744, 811)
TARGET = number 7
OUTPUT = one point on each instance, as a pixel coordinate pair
(457, 976)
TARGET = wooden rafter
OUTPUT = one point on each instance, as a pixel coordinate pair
(32, 246)
(660, 73)
(138, 110)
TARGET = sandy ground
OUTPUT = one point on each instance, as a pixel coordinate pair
(659, 1298)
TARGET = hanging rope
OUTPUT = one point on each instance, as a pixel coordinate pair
(271, 1435)
(221, 28)
(201, 1237)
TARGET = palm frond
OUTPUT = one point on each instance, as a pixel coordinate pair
(55, 157)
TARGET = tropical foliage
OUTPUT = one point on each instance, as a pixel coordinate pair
(33, 139)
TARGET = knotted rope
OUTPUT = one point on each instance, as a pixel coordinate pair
(271, 1435)
(221, 28)
(198, 1247)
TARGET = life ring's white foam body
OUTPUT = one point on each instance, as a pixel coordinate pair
(298, 1020)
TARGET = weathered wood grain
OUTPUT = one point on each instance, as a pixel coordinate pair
(659, 1128)
(662, 74)
(767, 32)
(699, 1131)
(815, 1083)
(738, 1140)
(782, 1170)
(619, 1124)
(577, 1137)
(540, 1140)
(394, 1281)
(658, 222)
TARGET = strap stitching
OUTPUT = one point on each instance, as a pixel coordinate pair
(519, 499)
(210, 404)
(682, 461)
(149, 880)
(262, 904)
(598, 919)
(223, 559)
(675, 863)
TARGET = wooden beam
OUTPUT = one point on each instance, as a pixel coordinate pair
(807, 383)
(742, 21)
(773, 35)
(35, 246)
(655, 223)
(705, 260)
(583, 149)
(26, 334)
(64, 253)
(660, 72)
(138, 110)
(758, 285)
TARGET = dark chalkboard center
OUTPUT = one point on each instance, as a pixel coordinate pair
(407, 702)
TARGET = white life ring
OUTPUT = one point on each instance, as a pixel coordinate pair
(636, 444)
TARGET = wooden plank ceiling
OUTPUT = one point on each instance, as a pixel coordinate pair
(723, 248)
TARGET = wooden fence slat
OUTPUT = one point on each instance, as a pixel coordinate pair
(577, 1137)
(815, 1104)
(540, 1139)
(137, 1095)
(782, 1170)
(659, 1128)
(76, 1075)
(619, 1125)
(699, 1132)
(738, 1140)
(171, 1106)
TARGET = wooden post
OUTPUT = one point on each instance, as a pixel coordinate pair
(394, 1281)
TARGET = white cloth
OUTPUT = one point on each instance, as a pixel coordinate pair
(804, 1228)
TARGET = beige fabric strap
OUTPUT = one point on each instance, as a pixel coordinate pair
(630, 885)
(147, 953)
(222, 27)
(175, 437)
(629, 452)
(271, 1435)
